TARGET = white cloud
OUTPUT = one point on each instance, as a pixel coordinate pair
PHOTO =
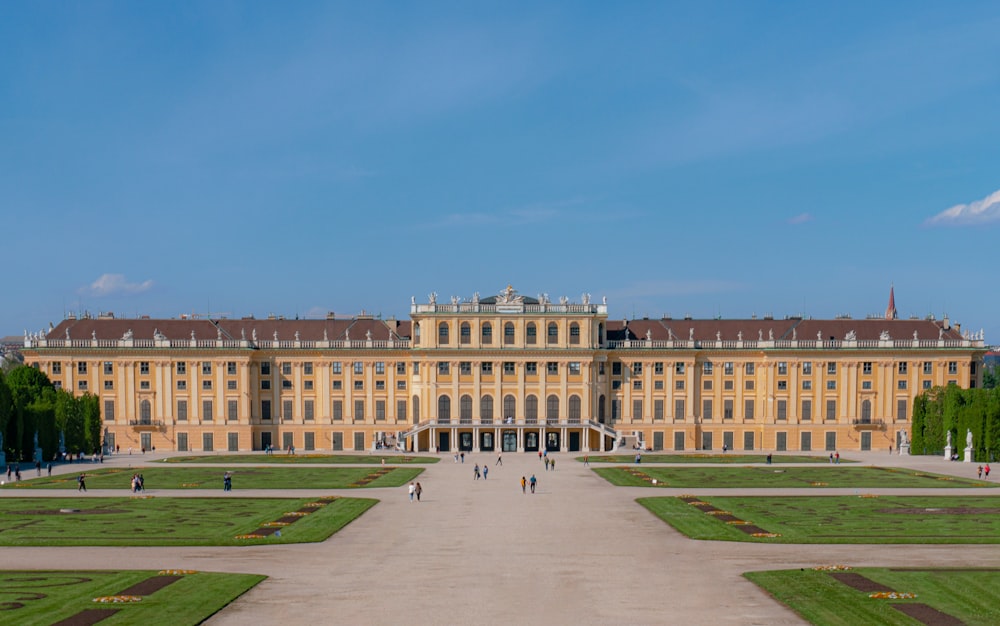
(978, 212)
(801, 218)
(109, 284)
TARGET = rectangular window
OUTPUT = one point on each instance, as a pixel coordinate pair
(782, 368)
(927, 384)
(231, 385)
(286, 369)
(401, 410)
(574, 367)
(232, 410)
(380, 410)
(807, 368)
(359, 385)
(379, 385)
(359, 410)
(866, 368)
(928, 368)
(706, 385)
(486, 368)
(831, 409)
(679, 385)
(551, 368)
(307, 368)
(206, 411)
(81, 368)
(901, 367)
(109, 410)
(616, 384)
(636, 368)
(286, 410)
(416, 369)
(231, 368)
(338, 385)
(727, 385)
(727, 368)
(658, 367)
(749, 367)
(206, 384)
(400, 369)
(807, 385)
(658, 385)
(57, 368)
(308, 410)
(831, 385)
(807, 410)
(727, 409)
(380, 367)
(748, 385)
(265, 409)
(901, 410)
(637, 409)
(336, 367)
(706, 367)
(338, 410)
(400, 384)
(207, 442)
(109, 368)
(901, 384)
(616, 369)
(206, 368)
(782, 385)
(679, 409)
(678, 368)
(359, 367)
(866, 384)
(706, 409)
(637, 383)
(658, 409)
(748, 409)
(265, 368)
(181, 368)
(109, 385)
(81, 385)
(182, 410)
(831, 368)
(952, 367)
(443, 368)
(782, 410)
(143, 384)
(508, 368)
(553, 332)
(465, 368)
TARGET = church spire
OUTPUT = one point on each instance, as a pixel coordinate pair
(890, 311)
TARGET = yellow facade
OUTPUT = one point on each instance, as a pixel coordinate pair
(506, 373)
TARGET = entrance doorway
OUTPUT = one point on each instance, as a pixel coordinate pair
(678, 440)
(465, 442)
(146, 441)
(706, 441)
(657, 441)
(444, 441)
(866, 441)
(486, 443)
(552, 442)
(574, 441)
(531, 441)
(510, 441)
(265, 440)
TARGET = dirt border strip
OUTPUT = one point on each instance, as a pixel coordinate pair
(927, 614)
(859, 582)
(87, 617)
(149, 586)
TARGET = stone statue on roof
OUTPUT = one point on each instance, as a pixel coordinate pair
(275, 335)
(454, 299)
(218, 333)
(413, 300)
(915, 336)
(795, 335)
(243, 334)
(851, 336)
(760, 334)
(884, 336)
(649, 334)
(690, 334)
(585, 298)
(128, 334)
(718, 335)
(325, 338)
(563, 300)
(368, 335)
(253, 334)
(296, 335)
(67, 334)
(770, 334)
(604, 299)
(739, 336)
(433, 297)
(940, 333)
(475, 298)
(192, 335)
(93, 335)
(819, 335)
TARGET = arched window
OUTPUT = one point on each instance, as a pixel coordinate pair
(553, 333)
(416, 334)
(145, 412)
(443, 333)
(508, 333)
(486, 409)
(487, 333)
(509, 407)
(531, 410)
(465, 409)
(444, 410)
(416, 409)
(531, 334)
(574, 333)
(465, 333)
(574, 409)
(600, 409)
(552, 408)
(866, 412)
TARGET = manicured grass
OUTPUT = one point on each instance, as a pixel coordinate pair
(769, 476)
(728, 458)
(391, 458)
(970, 595)
(243, 478)
(838, 519)
(151, 521)
(45, 597)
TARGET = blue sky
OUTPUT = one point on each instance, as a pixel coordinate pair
(702, 158)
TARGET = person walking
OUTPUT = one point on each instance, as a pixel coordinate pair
(552, 464)
(462, 456)
(412, 490)
(980, 471)
(486, 470)
(987, 471)
(524, 484)
(227, 482)
(586, 460)
(836, 458)
(546, 464)
(418, 490)
(475, 472)
(81, 485)
(533, 481)
(500, 459)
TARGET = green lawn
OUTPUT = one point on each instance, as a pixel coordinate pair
(243, 478)
(28, 598)
(970, 595)
(152, 521)
(770, 476)
(391, 458)
(728, 458)
(837, 519)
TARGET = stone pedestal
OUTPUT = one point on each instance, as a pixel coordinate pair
(904, 449)
(968, 455)
(947, 453)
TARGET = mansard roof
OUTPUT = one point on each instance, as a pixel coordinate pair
(175, 329)
(778, 329)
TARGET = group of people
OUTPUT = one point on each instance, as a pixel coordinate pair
(138, 483)
(485, 471)
(227, 481)
(986, 470)
(530, 481)
(14, 470)
(835, 458)
(415, 490)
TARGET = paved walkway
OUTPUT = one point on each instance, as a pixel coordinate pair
(578, 551)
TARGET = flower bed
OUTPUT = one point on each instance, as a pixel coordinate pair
(176, 572)
(117, 599)
(832, 568)
(892, 595)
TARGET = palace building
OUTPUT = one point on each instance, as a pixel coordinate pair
(506, 372)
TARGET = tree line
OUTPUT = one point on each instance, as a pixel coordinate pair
(941, 410)
(30, 404)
